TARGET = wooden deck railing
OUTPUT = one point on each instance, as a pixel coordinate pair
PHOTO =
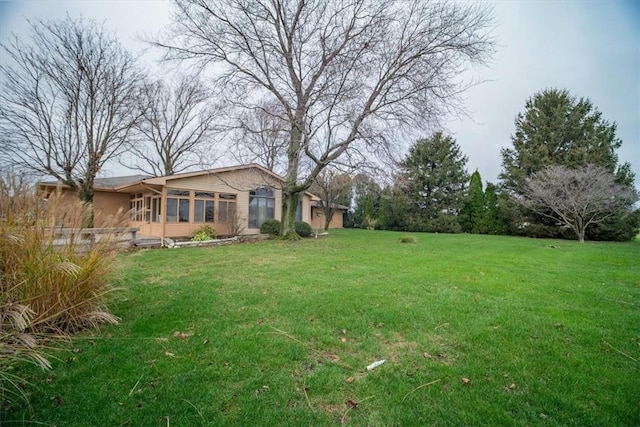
(90, 235)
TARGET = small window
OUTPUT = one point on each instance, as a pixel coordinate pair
(203, 211)
(226, 207)
(172, 210)
(226, 211)
(155, 209)
(262, 192)
(136, 207)
(202, 195)
(147, 209)
(183, 212)
(173, 192)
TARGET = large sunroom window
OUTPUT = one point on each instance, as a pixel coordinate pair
(136, 207)
(178, 206)
(226, 207)
(155, 209)
(262, 206)
(203, 205)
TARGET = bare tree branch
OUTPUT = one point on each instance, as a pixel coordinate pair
(347, 74)
(333, 188)
(577, 198)
(174, 131)
(261, 137)
(68, 101)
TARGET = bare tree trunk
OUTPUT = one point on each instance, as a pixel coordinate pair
(289, 207)
(291, 190)
(327, 220)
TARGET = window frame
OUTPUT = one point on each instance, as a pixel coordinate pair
(227, 207)
(181, 199)
(262, 203)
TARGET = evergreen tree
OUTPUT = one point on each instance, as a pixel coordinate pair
(472, 216)
(556, 128)
(434, 176)
(394, 210)
(493, 216)
(367, 200)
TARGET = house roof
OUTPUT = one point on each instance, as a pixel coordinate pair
(135, 183)
(162, 180)
(316, 204)
(118, 181)
(106, 184)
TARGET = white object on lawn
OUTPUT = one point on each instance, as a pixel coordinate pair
(375, 364)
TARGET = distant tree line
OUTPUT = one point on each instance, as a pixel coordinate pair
(561, 179)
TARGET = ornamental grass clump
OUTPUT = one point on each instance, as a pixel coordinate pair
(50, 285)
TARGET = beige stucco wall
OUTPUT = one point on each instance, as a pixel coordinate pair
(238, 182)
(317, 220)
(107, 207)
(110, 209)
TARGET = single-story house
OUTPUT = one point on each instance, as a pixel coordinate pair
(233, 200)
(317, 215)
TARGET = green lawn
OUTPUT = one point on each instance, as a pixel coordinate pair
(475, 330)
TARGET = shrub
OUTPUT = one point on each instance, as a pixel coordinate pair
(303, 229)
(204, 233)
(407, 239)
(270, 226)
(49, 287)
(368, 223)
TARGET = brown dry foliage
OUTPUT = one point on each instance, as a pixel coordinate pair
(49, 286)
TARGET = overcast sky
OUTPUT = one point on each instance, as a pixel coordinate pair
(591, 48)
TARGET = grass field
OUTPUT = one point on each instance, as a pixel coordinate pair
(475, 330)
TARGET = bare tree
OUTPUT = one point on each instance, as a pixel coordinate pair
(68, 101)
(174, 129)
(333, 188)
(261, 137)
(577, 198)
(347, 74)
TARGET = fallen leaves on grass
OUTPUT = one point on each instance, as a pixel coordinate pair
(510, 387)
(352, 404)
(181, 335)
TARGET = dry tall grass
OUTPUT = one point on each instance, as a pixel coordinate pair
(49, 286)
